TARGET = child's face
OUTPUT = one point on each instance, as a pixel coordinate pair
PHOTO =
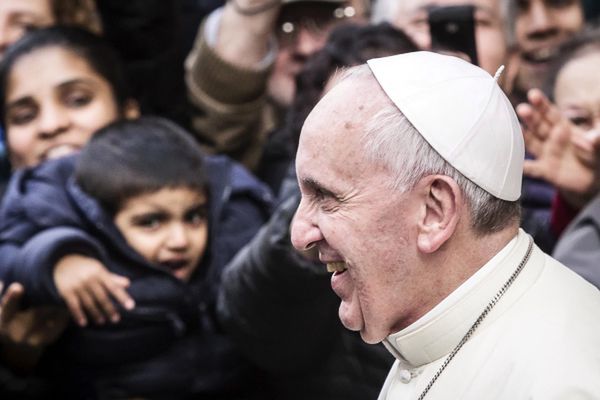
(54, 103)
(168, 228)
(577, 91)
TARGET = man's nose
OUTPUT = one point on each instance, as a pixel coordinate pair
(309, 42)
(305, 232)
(541, 21)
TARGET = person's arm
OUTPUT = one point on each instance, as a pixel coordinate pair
(226, 76)
(245, 30)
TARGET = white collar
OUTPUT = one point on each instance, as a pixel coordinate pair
(436, 333)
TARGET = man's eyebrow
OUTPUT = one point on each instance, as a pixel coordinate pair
(314, 186)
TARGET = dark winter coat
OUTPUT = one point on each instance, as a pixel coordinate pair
(170, 344)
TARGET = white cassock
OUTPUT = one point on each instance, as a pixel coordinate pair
(540, 341)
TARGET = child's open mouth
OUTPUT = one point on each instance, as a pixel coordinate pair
(174, 265)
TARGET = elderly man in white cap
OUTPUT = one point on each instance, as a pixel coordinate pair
(410, 194)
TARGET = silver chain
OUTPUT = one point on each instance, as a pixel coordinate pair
(482, 316)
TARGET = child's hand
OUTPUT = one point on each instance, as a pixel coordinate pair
(88, 288)
(565, 155)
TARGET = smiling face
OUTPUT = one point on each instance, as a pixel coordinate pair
(19, 16)
(168, 228)
(540, 27)
(490, 37)
(360, 226)
(54, 104)
(577, 91)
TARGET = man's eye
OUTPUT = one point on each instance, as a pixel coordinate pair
(419, 24)
(319, 194)
(483, 21)
(419, 21)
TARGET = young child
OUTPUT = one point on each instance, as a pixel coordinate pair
(133, 233)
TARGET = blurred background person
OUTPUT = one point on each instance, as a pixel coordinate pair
(57, 87)
(240, 73)
(563, 133)
(17, 17)
(540, 27)
(490, 18)
(493, 35)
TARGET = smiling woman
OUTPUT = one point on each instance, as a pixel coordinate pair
(57, 87)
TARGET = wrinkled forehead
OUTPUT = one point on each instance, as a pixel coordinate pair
(350, 102)
(332, 136)
(331, 142)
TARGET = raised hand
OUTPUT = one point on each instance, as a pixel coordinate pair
(565, 155)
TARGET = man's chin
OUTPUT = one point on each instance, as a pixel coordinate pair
(350, 318)
(370, 339)
(353, 320)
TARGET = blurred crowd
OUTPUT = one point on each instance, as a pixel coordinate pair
(148, 182)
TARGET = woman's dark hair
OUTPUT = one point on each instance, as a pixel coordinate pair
(348, 45)
(584, 43)
(99, 55)
(132, 157)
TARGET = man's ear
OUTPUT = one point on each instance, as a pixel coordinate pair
(442, 200)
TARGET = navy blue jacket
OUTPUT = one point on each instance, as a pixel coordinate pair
(170, 344)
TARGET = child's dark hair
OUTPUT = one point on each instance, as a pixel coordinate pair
(99, 55)
(133, 157)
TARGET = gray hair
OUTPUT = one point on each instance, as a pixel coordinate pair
(391, 140)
